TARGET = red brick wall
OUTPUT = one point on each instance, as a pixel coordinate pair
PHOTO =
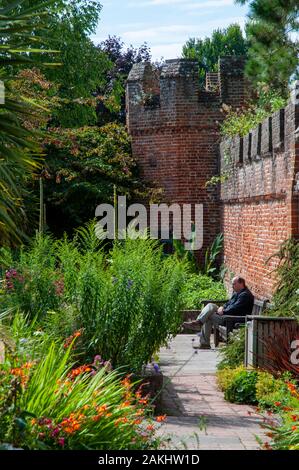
(259, 199)
(175, 135)
(176, 140)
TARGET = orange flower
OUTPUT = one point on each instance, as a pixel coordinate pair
(292, 388)
(121, 420)
(277, 403)
(68, 430)
(143, 401)
(137, 421)
(80, 370)
(294, 428)
(71, 338)
(101, 409)
(150, 427)
(160, 419)
(23, 372)
(73, 423)
(126, 383)
(125, 404)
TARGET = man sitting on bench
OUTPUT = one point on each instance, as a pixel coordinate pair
(240, 304)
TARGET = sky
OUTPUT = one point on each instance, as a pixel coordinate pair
(166, 24)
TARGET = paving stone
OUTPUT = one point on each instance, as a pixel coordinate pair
(192, 399)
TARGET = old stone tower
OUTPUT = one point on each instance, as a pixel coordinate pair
(174, 126)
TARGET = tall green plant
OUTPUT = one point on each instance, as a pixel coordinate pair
(211, 255)
(286, 297)
(32, 281)
(126, 303)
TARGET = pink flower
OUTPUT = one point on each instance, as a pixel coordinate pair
(55, 432)
(61, 441)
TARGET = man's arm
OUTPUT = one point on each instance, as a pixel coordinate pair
(229, 302)
(237, 308)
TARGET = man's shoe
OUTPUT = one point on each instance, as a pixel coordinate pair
(202, 346)
(192, 325)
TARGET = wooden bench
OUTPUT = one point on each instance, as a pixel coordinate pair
(233, 322)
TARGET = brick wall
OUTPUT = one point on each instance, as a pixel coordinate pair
(259, 198)
(174, 126)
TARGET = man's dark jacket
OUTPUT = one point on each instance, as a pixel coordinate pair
(240, 304)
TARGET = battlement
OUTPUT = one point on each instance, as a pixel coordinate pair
(172, 95)
(260, 164)
(262, 141)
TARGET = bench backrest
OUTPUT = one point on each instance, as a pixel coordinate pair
(258, 307)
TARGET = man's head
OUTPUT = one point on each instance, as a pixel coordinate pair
(238, 283)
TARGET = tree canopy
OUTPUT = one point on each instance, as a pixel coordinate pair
(272, 30)
(229, 41)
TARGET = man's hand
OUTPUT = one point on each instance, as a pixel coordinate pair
(220, 311)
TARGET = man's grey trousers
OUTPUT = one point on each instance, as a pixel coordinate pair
(208, 317)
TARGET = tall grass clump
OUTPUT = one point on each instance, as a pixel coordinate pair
(123, 305)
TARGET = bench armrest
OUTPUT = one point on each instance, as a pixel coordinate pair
(214, 301)
(232, 320)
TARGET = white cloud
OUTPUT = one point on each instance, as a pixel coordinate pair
(166, 51)
(159, 33)
(151, 3)
(172, 34)
(207, 4)
(183, 4)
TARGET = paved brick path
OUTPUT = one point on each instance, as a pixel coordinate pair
(198, 415)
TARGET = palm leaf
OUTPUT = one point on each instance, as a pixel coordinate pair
(20, 153)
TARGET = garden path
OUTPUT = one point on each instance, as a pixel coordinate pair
(198, 415)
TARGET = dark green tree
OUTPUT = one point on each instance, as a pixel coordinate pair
(229, 41)
(273, 34)
(84, 66)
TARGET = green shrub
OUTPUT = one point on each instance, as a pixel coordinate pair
(241, 122)
(239, 385)
(271, 391)
(199, 287)
(226, 376)
(233, 352)
(242, 388)
(31, 282)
